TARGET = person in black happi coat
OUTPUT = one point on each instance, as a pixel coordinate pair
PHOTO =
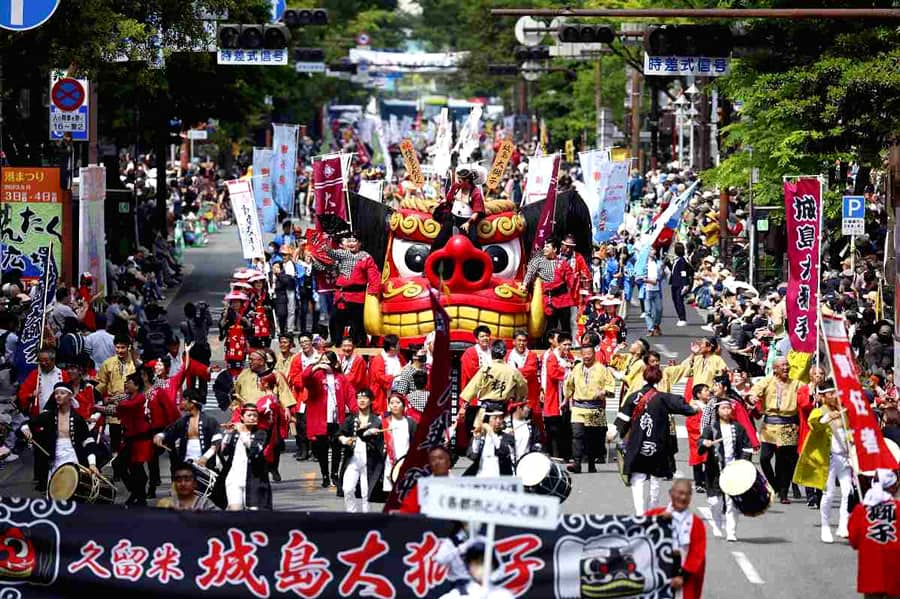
(643, 424)
(251, 489)
(362, 438)
(62, 433)
(192, 435)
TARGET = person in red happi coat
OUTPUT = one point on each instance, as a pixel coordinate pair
(382, 370)
(134, 412)
(689, 539)
(526, 362)
(324, 380)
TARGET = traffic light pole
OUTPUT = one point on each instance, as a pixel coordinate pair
(704, 13)
(598, 105)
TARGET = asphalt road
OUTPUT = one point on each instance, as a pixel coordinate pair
(778, 554)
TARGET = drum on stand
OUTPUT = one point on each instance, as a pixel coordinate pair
(747, 487)
(542, 476)
(74, 482)
(396, 468)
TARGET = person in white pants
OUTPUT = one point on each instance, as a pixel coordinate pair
(839, 468)
(638, 480)
(363, 440)
(727, 441)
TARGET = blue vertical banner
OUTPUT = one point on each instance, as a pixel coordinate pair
(262, 189)
(25, 357)
(284, 165)
(612, 190)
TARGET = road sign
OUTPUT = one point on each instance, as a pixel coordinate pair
(674, 66)
(197, 134)
(530, 70)
(67, 94)
(529, 38)
(309, 67)
(69, 106)
(363, 39)
(853, 213)
(19, 15)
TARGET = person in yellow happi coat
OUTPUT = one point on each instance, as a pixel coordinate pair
(825, 458)
(703, 366)
(633, 375)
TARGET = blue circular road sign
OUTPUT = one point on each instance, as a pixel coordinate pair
(22, 15)
(67, 94)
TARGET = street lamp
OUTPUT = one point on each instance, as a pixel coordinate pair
(692, 92)
(679, 114)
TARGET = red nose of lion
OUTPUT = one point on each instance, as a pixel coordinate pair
(459, 265)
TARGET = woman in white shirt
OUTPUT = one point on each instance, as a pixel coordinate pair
(362, 436)
(400, 430)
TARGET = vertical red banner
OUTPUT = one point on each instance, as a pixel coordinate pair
(328, 185)
(436, 419)
(871, 450)
(803, 215)
(545, 222)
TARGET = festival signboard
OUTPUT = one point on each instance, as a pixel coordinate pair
(803, 216)
(69, 549)
(31, 217)
(411, 162)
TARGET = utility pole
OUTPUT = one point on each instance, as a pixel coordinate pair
(600, 116)
(93, 125)
(636, 80)
(893, 200)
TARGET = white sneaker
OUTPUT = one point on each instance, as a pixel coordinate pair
(11, 458)
(842, 533)
(826, 535)
(643, 315)
(708, 327)
(681, 323)
(731, 538)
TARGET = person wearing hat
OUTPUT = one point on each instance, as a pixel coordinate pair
(243, 483)
(463, 207)
(492, 451)
(192, 436)
(824, 459)
(727, 441)
(235, 330)
(358, 276)
(610, 328)
(247, 388)
(62, 433)
(585, 391)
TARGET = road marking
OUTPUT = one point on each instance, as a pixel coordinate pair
(707, 515)
(748, 569)
(664, 351)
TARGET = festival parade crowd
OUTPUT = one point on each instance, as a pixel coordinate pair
(117, 387)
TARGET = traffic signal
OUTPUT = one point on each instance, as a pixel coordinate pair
(245, 37)
(503, 69)
(523, 53)
(303, 17)
(309, 54)
(690, 40)
(586, 34)
(343, 67)
(276, 36)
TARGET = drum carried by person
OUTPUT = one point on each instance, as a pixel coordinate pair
(542, 476)
(749, 490)
(74, 482)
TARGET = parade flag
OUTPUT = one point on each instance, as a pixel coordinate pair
(284, 165)
(541, 169)
(803, 216)
(262, 189)
(871, 450)
(385, 150)
(91, 219)
(442, 145)
(670, 217)
(25, 356)
(548, 211)
(371, 189)
(244, 207)
(436, 421)
(501, 161)
(469, 136)
(411, 162)
(328, 185)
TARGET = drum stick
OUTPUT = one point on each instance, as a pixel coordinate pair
(38, 445)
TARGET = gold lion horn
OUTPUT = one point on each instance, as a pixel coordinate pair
(372, 315)
(536, 316)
